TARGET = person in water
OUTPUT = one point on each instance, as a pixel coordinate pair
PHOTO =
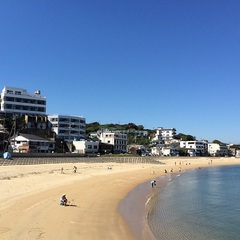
(153, 183)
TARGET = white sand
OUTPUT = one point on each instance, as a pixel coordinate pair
(30, 197)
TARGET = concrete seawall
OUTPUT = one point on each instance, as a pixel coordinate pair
(66, 159)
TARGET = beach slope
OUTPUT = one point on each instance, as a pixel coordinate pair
(30, 198)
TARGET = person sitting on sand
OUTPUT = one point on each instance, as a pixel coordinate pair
(63, 200)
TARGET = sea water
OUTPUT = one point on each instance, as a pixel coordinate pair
(197, 205)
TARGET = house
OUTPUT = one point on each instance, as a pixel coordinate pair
(137, 149)
(170, 151)
(118, 140)
(156, 151)
(27, 143)
(86, 146)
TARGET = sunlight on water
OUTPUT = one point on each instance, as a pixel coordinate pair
(200, 204)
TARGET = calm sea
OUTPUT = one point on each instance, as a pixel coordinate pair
(199, 204)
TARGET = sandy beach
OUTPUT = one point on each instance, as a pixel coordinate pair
(30, 197)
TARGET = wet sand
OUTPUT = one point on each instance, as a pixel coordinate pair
(30, 198)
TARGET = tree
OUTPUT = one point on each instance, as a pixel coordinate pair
(92, 127)
(184, 137)
(182, 152)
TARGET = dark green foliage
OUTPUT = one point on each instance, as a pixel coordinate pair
(184, 137)
(92, 127)
(217, 141)
(7, 123)
(132, 138)
(235, 146)
(139, 140)
(95, 126)
(182, 152)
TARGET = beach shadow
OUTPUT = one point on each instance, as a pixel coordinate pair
(71, 205)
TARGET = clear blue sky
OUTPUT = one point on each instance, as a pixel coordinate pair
(156, 63)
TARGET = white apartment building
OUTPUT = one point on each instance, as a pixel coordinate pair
(164, 134)
(215, 149)
(195, 147)
(118, 140)
(140, 133)
(68, 128)
(18, 101)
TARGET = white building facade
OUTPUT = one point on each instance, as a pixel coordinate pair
(195, 147)
(26, 143)
(118, 140)
(86, 146)
(164, 134)
(18, 101)
(215, 149)
(68, 128)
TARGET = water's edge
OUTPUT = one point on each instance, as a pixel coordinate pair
(135, 207)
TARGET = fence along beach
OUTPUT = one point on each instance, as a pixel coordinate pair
(30, 195)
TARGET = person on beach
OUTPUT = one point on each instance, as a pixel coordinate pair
(62, 170)
(63, 200)
(153, 183)
(74, 169)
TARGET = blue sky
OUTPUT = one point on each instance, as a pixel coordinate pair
(156, 63)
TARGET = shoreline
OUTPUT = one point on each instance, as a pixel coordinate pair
(140, 226)
(30, 198)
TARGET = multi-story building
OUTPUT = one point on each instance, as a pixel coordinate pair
(118, 140)
(215, 149)
(195, 147)
(139, 133)
(17, 101)
(164, 134)
(68, 128)
(36, 122)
